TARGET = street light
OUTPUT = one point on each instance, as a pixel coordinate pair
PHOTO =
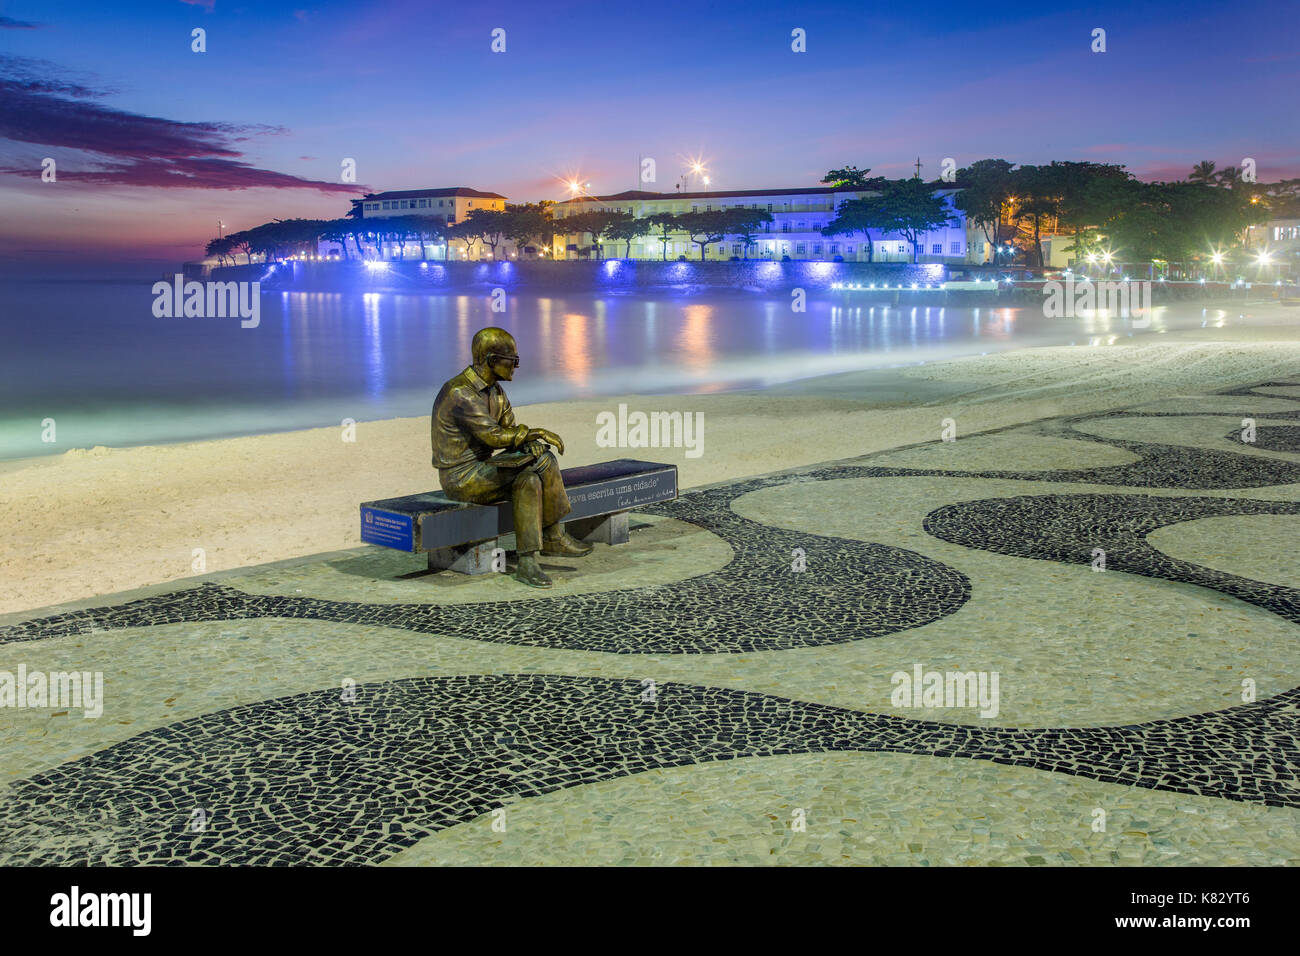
(695, 167)
(576, 187)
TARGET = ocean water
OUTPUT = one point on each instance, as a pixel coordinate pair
(91, 356)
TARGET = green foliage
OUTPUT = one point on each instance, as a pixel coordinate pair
(745, 224)
(905, 207)
(527, 223)
(704, 226)
(626, 228)
(850, 177)
(666, 224)
(986, 187)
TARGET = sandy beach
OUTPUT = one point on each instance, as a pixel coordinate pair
(96, 521)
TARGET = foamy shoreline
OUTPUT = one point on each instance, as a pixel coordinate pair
(94, 522)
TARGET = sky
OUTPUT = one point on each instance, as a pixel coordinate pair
(154, 143)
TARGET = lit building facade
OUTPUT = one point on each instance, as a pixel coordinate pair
(1279, 240)
(450, 205)
(798, 216)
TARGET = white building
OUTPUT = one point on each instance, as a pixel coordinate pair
(798, 217)
(450, 205)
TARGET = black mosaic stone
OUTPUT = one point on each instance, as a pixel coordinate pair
(1272, 438)
(1158, 465)
(1067, 528)
(312, 779)
(850, 590)
(1253, 390)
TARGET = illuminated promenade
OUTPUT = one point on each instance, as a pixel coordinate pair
(747, 682)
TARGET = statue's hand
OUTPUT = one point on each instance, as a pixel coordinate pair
(547, 436)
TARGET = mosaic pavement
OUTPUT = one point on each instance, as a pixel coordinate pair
(1128, 579)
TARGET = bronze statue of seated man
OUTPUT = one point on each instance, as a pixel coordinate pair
(472, 418)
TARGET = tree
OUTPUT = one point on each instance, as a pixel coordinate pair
(467, 232)
(704, 227)
(626, 228)
(983, 197)
(338, 230)
(744, 225)
(489, 225)
(914, 210)
(1202, 172)
(221, 247)
(526, 222)
(1086, 193)
(399, 230)
(861, 215)
(1179, 221)
(595, 222)
(425, 229)
(850, 177)
(666, 223)
(1038, 200)
(1229, 176)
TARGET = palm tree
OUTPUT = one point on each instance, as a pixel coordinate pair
(1202, 172)
(1229, 176)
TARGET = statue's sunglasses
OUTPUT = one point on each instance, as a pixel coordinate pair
(502, 357)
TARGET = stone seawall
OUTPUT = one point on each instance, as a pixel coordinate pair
(630, 277)
(609, 276)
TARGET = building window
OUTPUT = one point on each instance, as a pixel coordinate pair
(956, 248)
(424, 203)
(439, 202)
(936, 249)
(848, 249)
(902, 247)
(835, 247)
(785, 227)
(817, 248)
(388, 205)
(800, 248)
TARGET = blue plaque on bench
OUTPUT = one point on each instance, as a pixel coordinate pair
(387, 528)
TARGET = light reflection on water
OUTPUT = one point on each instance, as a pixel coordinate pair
(97, 360)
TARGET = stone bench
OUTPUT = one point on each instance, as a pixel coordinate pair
(460, 536)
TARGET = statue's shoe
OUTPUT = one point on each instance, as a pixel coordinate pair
(533, 576)
(565, 546)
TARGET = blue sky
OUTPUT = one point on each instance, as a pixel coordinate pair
(413, 93)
